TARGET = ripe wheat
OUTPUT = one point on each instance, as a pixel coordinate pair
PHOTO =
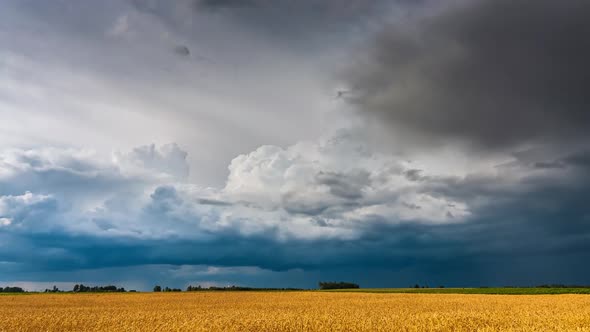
(293, 311)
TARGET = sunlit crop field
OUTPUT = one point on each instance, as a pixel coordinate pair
(293, 311)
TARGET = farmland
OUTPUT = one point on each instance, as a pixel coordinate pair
(293, 311)
(480, 290)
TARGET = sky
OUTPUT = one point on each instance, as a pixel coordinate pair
(277, 143)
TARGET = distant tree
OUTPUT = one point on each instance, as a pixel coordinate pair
(168, 289)
(416, 286)
(157, 288)
(52, 290)
(97, 289)
(9, 289)
(337, 285)
(238, 288)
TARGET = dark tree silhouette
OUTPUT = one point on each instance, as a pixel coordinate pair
(9, 289)
(337, 285)
(97, 289)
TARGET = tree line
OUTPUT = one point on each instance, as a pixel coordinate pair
(563, 286)
(159, 288)
(97, 289)
(9, 289)
(81, 288)
(198, 288)
(337, 285)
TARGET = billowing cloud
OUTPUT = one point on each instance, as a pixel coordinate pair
(26, 211)
(316, 179)
(304, 203)
(493, 74)
(104, 70)
(304, 191)
(167, 160)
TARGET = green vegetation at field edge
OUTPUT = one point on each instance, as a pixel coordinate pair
(483, 290)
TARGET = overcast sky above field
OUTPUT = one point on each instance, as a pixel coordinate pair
(277, 143)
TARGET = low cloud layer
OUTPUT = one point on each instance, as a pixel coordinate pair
(492, 74)
(307, 204)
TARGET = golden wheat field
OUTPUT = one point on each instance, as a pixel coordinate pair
(293, 311)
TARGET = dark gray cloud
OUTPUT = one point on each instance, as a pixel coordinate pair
(413, 174)
(348, 186)
(308, 9)
(490, 250)
(216, 4)
(307, 23)
(494, 73)
(294, 15)
(182, 50)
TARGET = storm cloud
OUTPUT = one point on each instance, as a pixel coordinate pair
(303, 204)
(305, 25)
(283, 175)
(491, 73)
